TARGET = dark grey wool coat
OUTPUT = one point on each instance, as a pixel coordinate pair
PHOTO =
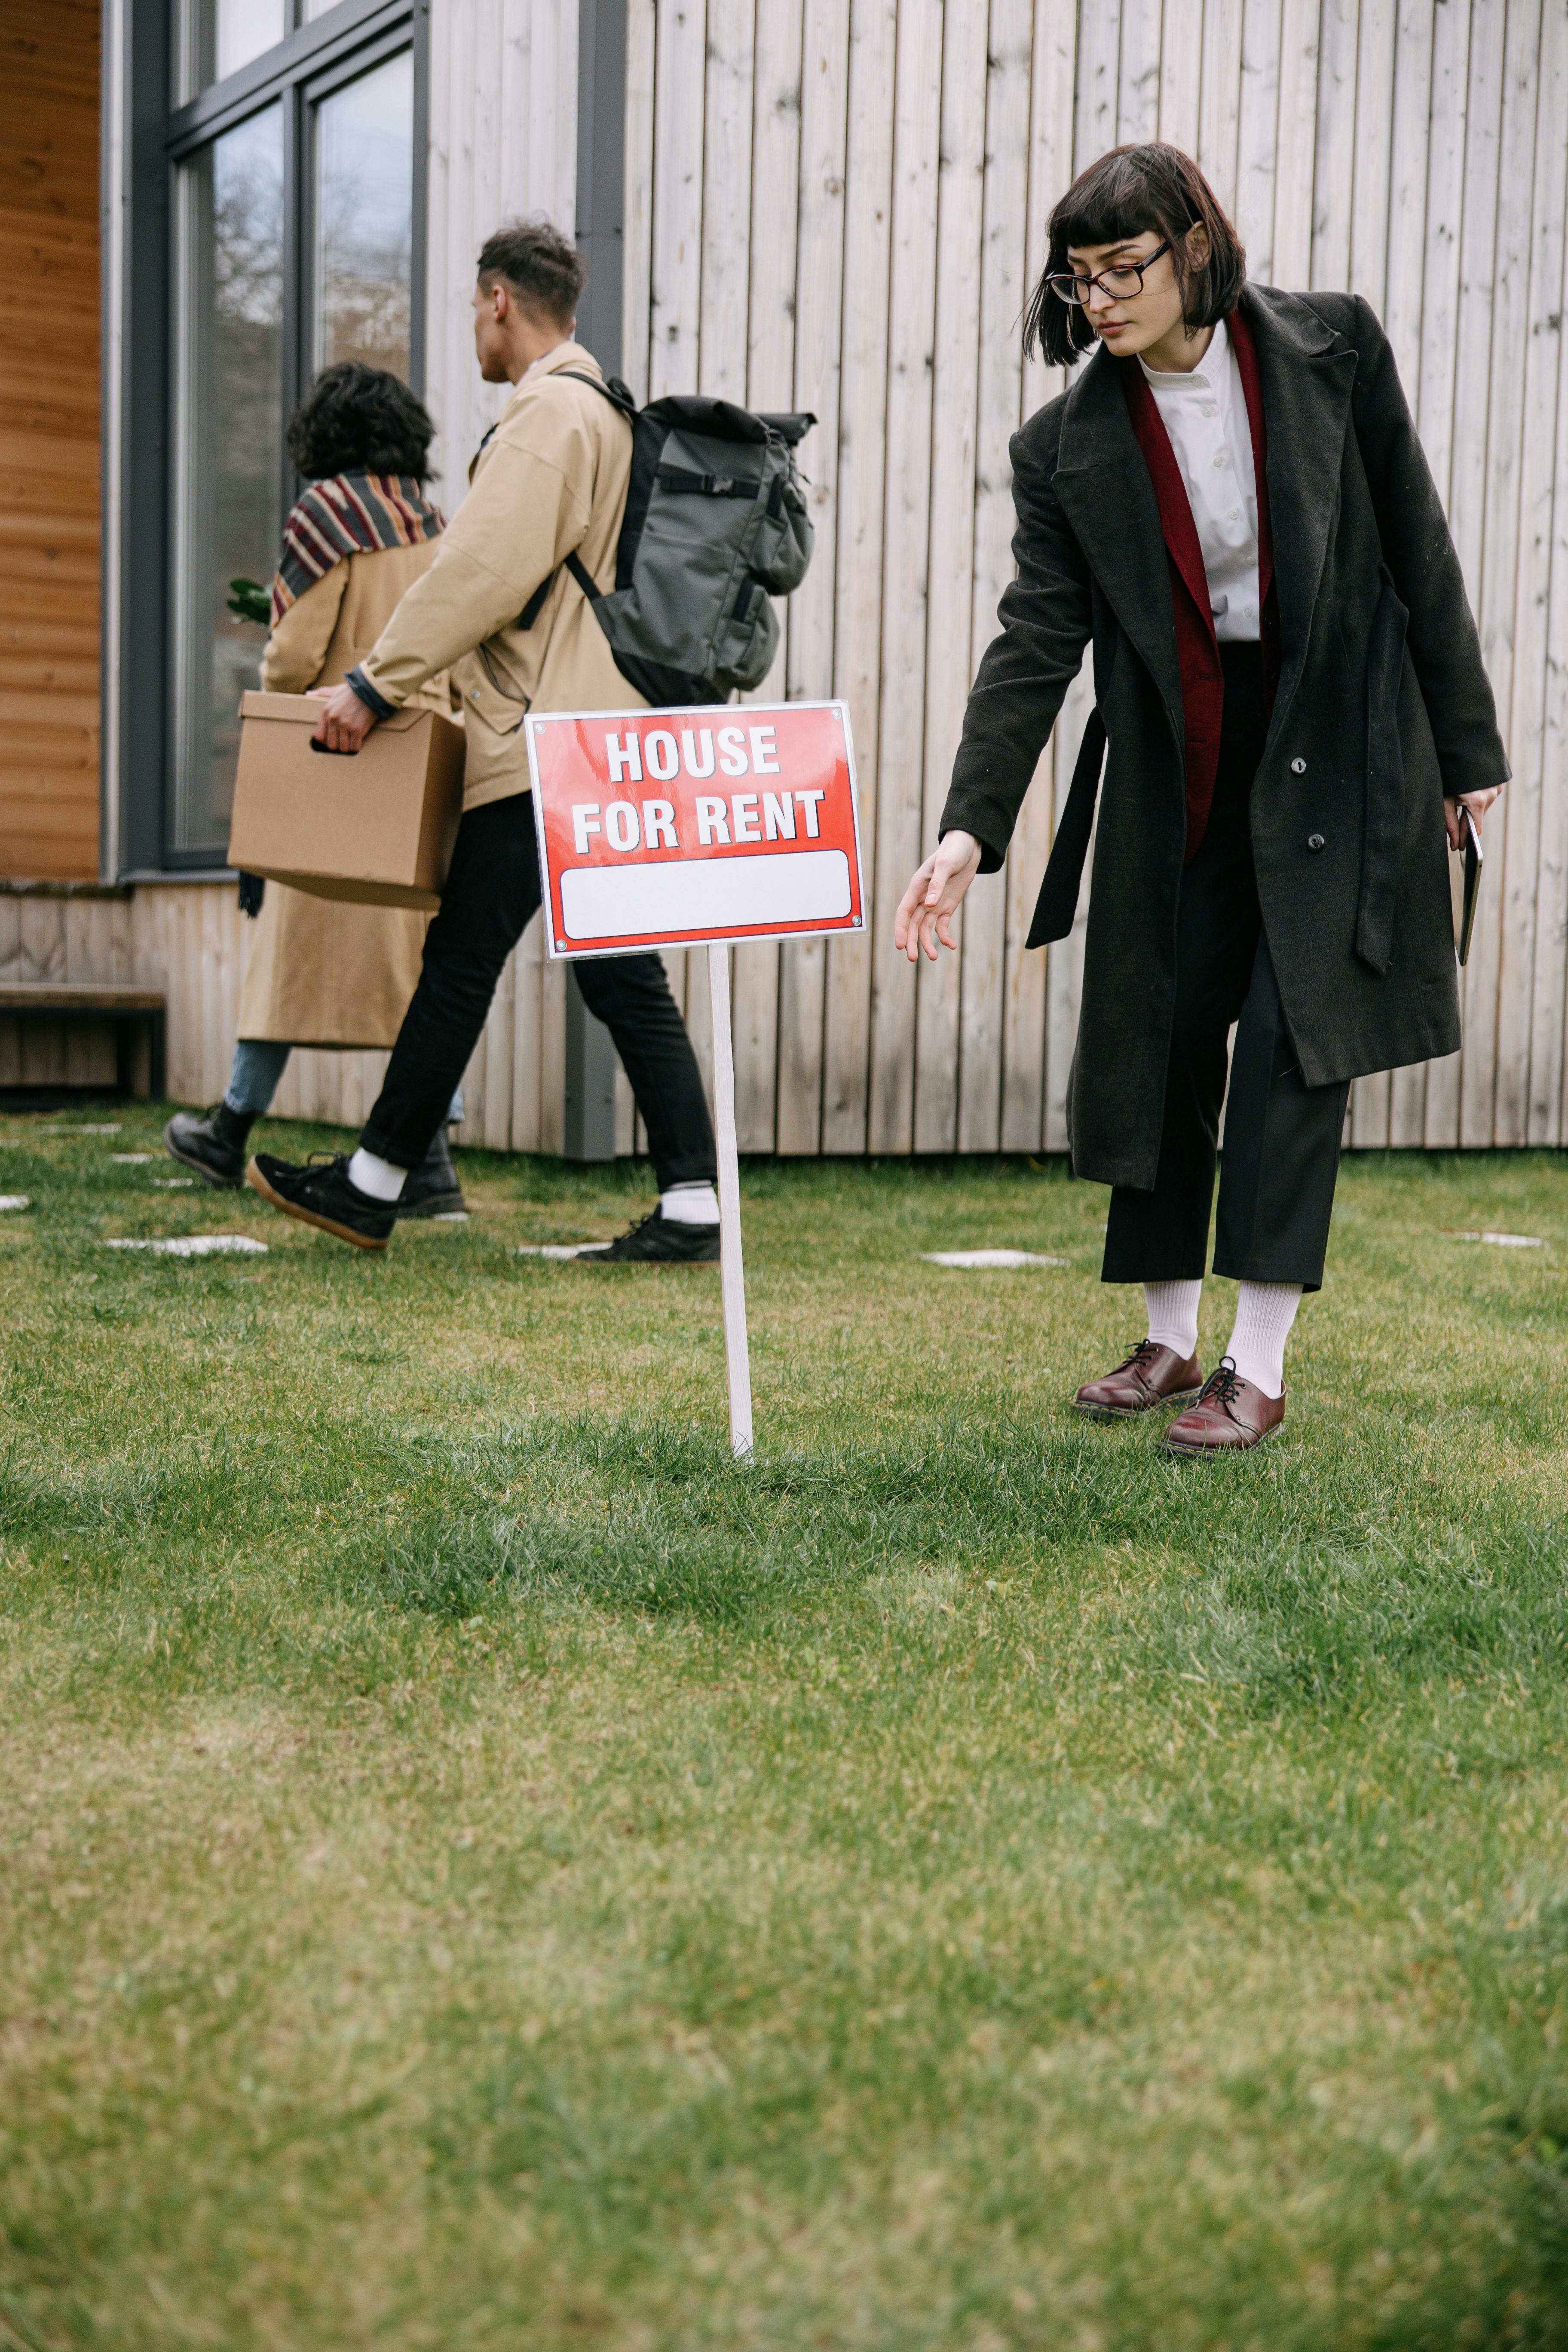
(1382, 707)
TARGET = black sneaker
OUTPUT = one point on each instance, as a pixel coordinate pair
(657, 1241)
(432, 1189)
(320, 1194)
(214, 1145)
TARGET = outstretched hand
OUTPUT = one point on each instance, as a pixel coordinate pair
(927, 907)
(345, 720)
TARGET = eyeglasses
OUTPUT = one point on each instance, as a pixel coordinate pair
(1120, 284)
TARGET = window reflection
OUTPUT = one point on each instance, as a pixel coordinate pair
(365, 218)
(230, 398)
(221, 35)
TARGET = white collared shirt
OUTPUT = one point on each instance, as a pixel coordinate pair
(1204, 412)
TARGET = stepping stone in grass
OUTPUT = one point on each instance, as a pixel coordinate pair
(131, 1159)
(989, 1257)
(112, 1128)
(174, 1183)
(15, 1201)
(199, 1245)
(1505, 1241)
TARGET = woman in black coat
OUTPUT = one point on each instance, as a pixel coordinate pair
(1230, 504)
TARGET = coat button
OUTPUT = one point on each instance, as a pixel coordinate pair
(1314, 841)
(1298, 767)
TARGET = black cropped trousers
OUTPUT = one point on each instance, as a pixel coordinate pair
(492, 891)
(1282, 1136)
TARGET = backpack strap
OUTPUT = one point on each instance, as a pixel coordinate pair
(613, 389)
(620, 397)
(535, 605)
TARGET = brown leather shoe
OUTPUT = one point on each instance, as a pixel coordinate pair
(1230, 1415)
(1151, 1375)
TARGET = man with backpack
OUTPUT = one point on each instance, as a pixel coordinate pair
(502, 608)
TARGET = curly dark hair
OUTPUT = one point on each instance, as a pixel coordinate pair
(360, 420)
(1148, 186)
(543, 269)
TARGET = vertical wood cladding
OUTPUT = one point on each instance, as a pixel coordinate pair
(1414, 151)
(837, 204)
(49, 440)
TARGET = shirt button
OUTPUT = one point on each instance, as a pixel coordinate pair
(1298, 767)
(1314, 841)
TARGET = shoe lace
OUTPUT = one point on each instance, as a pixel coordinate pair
(1144, 1354)
(1223, 1384)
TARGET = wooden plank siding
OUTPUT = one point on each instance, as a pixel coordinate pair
(1413, 151)
(49, 421)
(839, 205)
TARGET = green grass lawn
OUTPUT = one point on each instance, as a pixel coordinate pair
(482, 1870)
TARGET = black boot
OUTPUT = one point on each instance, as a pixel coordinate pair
(432, 1189)
(214, 1145)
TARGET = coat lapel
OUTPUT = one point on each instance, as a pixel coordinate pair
(1307, 376)
(1106, 493)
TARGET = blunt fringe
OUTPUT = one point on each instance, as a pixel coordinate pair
(360, 420)
(1149, 187)
(543, 269)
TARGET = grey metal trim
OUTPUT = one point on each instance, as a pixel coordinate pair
(602, 174)
(588, 1129)
(304, 51)
(142, 465)
(589, 1124)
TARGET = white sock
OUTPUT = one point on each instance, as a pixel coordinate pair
(1173, 1314)
(378, 1178)
(689, 1204)
(1264, 1314)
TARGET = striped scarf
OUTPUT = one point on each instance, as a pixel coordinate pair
(350, 514)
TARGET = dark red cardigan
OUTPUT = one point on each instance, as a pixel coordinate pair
(1198, 649)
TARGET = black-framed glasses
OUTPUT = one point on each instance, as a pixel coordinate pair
(1120, 284)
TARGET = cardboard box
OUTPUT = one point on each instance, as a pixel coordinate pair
(376, 826)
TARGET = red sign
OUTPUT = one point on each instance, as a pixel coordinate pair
(658, 828)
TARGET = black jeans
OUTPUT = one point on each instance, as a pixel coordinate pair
(492, 891)
(1282, 1136)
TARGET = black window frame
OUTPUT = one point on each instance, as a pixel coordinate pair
(306, 66)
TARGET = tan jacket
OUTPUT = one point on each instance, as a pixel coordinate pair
(321, 972)
(551, 478)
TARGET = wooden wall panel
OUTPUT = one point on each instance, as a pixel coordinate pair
(1414, 151)
(503, 144)
(49, 440)
(842, 206)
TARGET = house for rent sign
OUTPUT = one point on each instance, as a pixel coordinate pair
(669, 827)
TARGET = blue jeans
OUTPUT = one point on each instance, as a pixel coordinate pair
(259, 1065)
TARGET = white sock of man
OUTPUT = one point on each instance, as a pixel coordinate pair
(1173, 1315)
(689, 1204)
(378, 1178)
(1264, 1314)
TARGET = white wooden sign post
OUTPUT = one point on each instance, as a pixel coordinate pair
(681, 828)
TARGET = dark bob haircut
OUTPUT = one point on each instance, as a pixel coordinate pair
(543, 269)
(360, 420)
(1132, 189)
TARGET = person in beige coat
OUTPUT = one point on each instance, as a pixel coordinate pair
(500, 609)
(321, 972)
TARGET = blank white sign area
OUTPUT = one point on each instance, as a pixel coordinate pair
(716, 893)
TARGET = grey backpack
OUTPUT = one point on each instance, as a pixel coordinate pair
(715, 525)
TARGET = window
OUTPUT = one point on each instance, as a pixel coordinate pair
(362, 212)
(218, 36)
(228, 444)
(295, 213)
